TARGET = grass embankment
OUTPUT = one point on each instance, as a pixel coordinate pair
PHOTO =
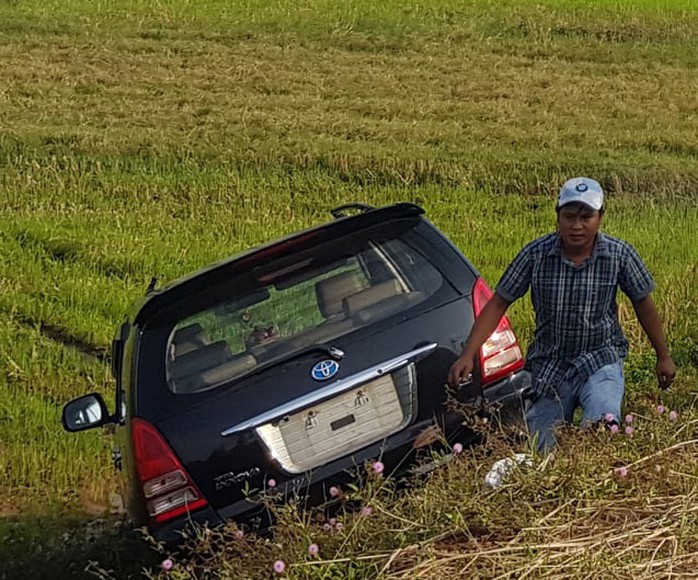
(140, 140)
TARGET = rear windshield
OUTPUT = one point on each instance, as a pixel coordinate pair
(298, 302)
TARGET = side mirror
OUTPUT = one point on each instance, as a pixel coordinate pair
(85, 412)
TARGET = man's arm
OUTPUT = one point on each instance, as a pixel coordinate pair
(484, 325)
(652, 325)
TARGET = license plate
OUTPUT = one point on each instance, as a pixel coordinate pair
(316, 435)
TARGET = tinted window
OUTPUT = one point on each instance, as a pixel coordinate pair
(296, 302)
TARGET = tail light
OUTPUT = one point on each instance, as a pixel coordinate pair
(501, 354)
(168, 490)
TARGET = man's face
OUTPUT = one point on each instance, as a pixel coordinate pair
(578, 225)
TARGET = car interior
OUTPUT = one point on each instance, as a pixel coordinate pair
(196, 363)
(299, 304)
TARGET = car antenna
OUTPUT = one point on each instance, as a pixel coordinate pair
(151, 285)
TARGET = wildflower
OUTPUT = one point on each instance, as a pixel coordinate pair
(271, 483)
(313, 550)
(622, 471)
(614, 429)
(279, 566)
(629, 430)
(167, 564)
(366, 511)
(629, 418)
(333, 522)
(378, 467)
(239, 534)
(457, 448)
(660, 409)
(335, 491)
(673, 416)
(610, 417)
(327, 526)
(339, 526)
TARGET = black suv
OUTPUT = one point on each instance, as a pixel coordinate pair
(295, 362)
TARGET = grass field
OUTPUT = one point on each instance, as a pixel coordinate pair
(142, 139)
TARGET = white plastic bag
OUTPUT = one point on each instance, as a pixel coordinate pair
(504, 467)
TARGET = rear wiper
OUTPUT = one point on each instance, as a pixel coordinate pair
(330, 351)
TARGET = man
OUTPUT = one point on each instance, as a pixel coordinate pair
(576, 358)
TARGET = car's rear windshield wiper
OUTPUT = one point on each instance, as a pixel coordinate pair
(330, 351)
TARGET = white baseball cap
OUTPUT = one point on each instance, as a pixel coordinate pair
(581, 190)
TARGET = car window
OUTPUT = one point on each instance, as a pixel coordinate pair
(299, 302)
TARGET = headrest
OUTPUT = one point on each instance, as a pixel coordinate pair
(371, 296)
(332, 291)
(189, 338)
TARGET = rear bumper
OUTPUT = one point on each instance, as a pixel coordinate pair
(512, 390)
(176, 531)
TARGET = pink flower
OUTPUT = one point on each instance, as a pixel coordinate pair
(335, 491)
(239, 534)
(673, 416)
(378, 467)
(326, 526)
(614, 428)
(339, 527)
(628, 418)
(313, 550)
(457, 448)
(629, 430)
(279, 566)
(366, 511)
(167, 565)
(271, 483)
(622, 471)
(333, 522)
(610, 417)
(660, 409)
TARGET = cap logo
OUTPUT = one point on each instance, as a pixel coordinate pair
(581, 187)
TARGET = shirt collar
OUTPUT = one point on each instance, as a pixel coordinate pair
(601, 248)
(555, 248)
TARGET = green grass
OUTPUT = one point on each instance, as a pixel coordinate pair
(142, 139)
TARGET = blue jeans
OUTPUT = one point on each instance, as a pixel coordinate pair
(601, 394)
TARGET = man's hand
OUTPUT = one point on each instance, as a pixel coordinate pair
(483, 327)
(666, 372)
(460, 370)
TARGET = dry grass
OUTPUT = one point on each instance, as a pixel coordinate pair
(512, 103)
(576, 542)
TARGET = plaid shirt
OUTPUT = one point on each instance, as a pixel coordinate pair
(577, 329)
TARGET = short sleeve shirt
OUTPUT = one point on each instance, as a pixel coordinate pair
(577, 328)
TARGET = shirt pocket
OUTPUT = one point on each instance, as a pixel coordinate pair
(602, 296)
(547, 294)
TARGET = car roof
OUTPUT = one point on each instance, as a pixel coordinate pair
(156, 299)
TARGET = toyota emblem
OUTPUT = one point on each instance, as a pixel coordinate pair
(325, 370)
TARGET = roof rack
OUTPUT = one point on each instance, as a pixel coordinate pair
(341, 211)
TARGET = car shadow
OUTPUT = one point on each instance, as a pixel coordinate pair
(72, 546)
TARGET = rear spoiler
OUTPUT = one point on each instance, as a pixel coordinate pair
(221, 271)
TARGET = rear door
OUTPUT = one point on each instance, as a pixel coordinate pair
(307, 359)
